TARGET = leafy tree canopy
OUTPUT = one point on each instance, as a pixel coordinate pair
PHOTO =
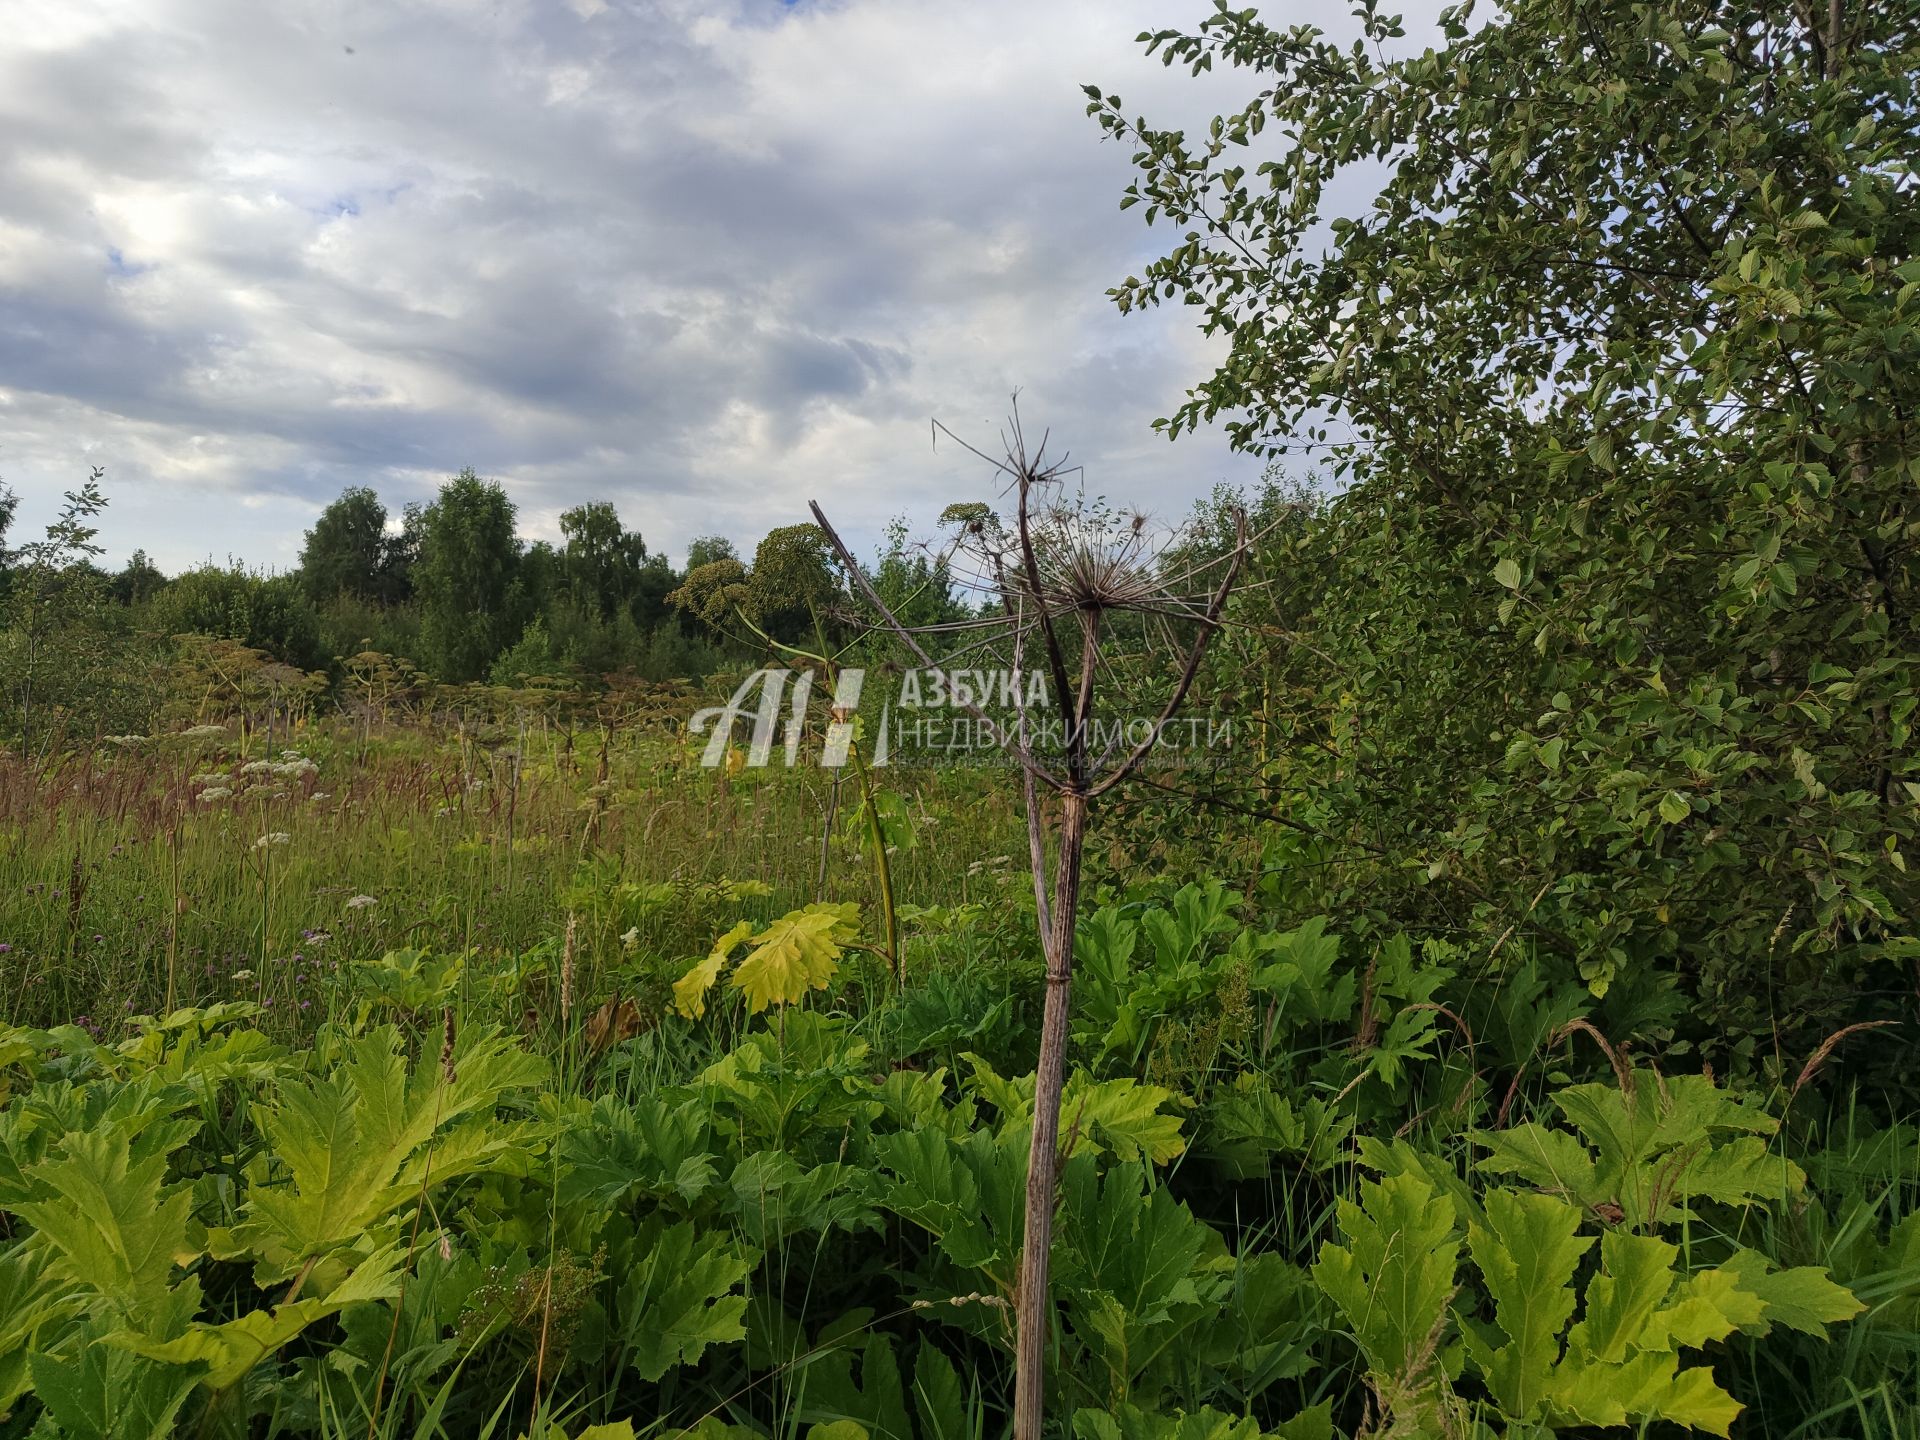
(1609, 641)
(465, 576)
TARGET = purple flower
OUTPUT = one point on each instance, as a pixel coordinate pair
(5, 949)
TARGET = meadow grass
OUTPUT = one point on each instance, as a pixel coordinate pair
(182, 873)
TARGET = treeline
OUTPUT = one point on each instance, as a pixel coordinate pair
(450, 589)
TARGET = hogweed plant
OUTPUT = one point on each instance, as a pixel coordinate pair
(1087, 590)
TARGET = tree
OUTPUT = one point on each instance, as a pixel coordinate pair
(399, 554)
(601, 559)
(346, 549)
(139, 581)
(9, 504)
(54, 594)
(915, 586)
(1609, 641)
(706, 549)
(271, 614)
(464, 577)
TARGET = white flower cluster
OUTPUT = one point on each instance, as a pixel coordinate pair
(272, 837)
(291, 765)
(125, 740)
(216, 792)
(361, 902)
(203, 732)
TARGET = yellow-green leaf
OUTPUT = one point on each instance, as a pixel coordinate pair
(690, 990)
(798, 952)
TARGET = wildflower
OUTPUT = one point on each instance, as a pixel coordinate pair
(5, 949)
(256, 767)
(272, 837)
(203, 732)
(124, 740)
(216, 792)
(361, 902)
(631, 938)
(319, 795)
(316, 938)
(243, 974)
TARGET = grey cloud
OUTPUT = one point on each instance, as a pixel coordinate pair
(706, 262)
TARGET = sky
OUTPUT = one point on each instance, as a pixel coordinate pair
(707, 261)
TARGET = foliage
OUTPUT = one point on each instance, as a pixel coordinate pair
(407, 1216)
(465, 575)
(346, 551)
(267, 613)
(1395, 1281)
(1605, 640)
(796, 953)
(1446, 1062)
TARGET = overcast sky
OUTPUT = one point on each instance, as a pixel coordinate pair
(708, 261)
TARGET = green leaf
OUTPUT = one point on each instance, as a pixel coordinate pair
(114, 1227)
(105, 1393)
(1130, 1422)
(676, 1298)
(1526, 1251)
(371, 1136)
(1804, 1298)
(1507, 573)
(1636, 1273)
(938, 1398)
(1394, 1276)
(228, 1351)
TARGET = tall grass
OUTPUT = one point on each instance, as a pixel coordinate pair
(179, 872)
